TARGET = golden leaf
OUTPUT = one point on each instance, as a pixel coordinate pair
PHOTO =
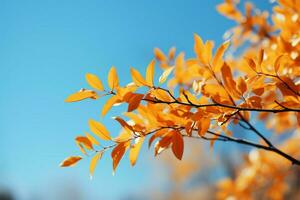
(94, 81)
(81, 95)
(217, 60)
(92, 139)
(137, 77)
(159, 55)
(135, 149)
(94, 162)
(99, 129)
(113, 80)
(150, 73)
(107, 106)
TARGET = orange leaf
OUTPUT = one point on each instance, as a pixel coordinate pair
(135, 149)
(85, 141)
(134, 102)
(241, 85)
(177, 144)
(123, 123)
(159, 55)
(70, 161)
(117, 154)
(203, 126)
(251, 64)
(172, 53)
(94, 81)
(99, 129)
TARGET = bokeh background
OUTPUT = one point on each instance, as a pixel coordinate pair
(46, 47)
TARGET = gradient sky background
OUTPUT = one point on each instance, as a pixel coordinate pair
(46, 47)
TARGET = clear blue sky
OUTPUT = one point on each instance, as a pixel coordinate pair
(46, 47)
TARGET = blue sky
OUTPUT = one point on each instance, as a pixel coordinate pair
(46, 47)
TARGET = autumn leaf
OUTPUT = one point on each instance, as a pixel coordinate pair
(150, 73)
(70, 161)
(134, 102)
(135, 149)
(85, 141)
(113, 80)
(99, 129)
(177, 144)
(217, 60)
(203, 126)
(159, 55)
(117, 154)
(165, 75)
(94, 81)
(94, 162)
(92, 139)
(137, 78)
(81, 95)
(107, 106)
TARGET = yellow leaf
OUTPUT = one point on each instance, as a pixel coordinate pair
(217, 60)
(70, 161)
(94, 162)
(82, 94)
(94, 81)
(135, 149)
(137, 77)
(150, 73)
(113, 80)
(165, 75)
(159, 55)
(199, 48)
(92, 139)
(99, 129)
(107, 106)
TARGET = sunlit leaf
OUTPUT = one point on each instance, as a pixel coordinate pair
(94, 81)
(113, 80)
(99, 129)
(137, 78)
(150, 73)
(94, 162)
(81, 95)
(70, 161)
(135, 149)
